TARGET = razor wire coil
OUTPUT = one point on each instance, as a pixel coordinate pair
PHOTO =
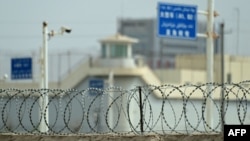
(180, 109)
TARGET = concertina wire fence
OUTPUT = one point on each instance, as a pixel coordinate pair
(181, 109)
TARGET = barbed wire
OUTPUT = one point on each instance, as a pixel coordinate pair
(180, 109)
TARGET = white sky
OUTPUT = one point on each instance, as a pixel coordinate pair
(90, 20)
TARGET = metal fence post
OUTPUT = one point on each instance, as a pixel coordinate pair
(141, 110)
(222, 77)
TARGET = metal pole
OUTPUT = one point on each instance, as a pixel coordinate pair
(210, 62)
(111, 98)
(237, 31)
(43, 101)
(222, 76)
(141, 110)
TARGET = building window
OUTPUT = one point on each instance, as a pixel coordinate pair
(118, 51)
(104, 48)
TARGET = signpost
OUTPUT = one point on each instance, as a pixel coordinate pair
(177, 21)
(21, 68)
(95, 83)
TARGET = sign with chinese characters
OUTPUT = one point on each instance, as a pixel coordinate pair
(95, 83)
(177, 21)
(21, 68)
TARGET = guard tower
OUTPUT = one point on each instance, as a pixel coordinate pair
(117, 51)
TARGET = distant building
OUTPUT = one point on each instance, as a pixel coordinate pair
(192, 69)
(117, 107)
(161, 52)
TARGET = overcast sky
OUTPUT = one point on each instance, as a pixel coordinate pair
(90, 20)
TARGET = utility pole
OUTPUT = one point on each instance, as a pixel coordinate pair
(44, 98)
(210, 63)
(222, 75)
(210, 14)
(237, 31)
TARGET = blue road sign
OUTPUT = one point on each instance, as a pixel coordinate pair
(177, 21)
(21, 68)
(95, 83)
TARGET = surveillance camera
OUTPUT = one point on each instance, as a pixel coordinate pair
(66, 29)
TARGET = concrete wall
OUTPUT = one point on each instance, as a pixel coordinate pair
(181, 76)
(162, 116)
(237, 66)
(199, 137)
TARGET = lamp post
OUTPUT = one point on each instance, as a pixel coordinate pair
(44, 99)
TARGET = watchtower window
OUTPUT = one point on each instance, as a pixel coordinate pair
(118, 51)
(104, 51)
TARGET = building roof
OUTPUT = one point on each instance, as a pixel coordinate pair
(118, 38)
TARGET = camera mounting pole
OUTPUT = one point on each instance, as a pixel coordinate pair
(44, 99)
